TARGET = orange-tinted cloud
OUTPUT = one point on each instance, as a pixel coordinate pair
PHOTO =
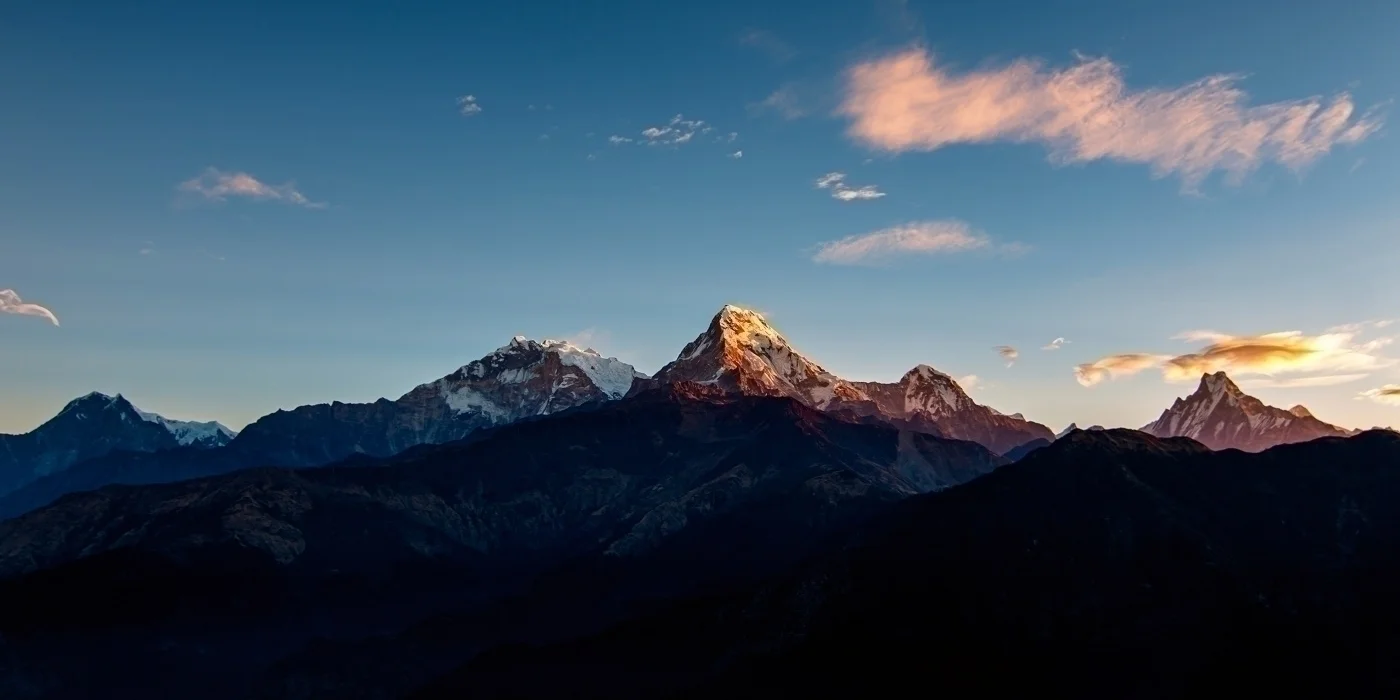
(1388, 394)
(1273, 353)
(1327, 359)
(1086, 112)
(1114, 366)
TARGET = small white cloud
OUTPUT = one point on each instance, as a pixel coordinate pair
(467, 105)
(216, 185)
(969, 382)
(851, 195)
(592, 156)
(1055, 344)
(1008, 353)
(10, 303)
(618, 140)
(736, 155)
(917, 238)
(840, 191)
(676, 132)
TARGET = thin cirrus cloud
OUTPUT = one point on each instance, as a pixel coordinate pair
(767, 42)
(1008, 353)
(917, 238)
(1388, 394)
(783, 101)
(1325, 360)
(217, 186)
(840, 191)
(1055, 344)
(11, 303)
(1086, 112)
(469, 107)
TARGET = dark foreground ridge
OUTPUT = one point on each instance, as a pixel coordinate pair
(1110, 564)
(199, 587)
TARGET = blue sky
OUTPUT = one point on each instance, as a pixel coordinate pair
(443, 234)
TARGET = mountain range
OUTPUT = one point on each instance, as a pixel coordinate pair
(546, 522)
(738, 352)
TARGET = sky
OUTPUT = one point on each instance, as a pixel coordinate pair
(220, 210)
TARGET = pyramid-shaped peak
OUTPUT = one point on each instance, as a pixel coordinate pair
(737, 319)
(1218, 383)
(1301, 411)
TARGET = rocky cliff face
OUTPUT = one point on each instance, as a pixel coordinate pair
(741, 352)
(1221, 416)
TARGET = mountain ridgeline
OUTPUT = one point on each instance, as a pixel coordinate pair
(524, 380)
(546, 523)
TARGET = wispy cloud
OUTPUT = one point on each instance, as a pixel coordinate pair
(783, 101)
(1008, 353)
(836, 183)
(469, 107)
(216, 185)
(736, 155)
(1055, 344)
(1388, 394)
(768, 42)
(917, 238)
(11, 303)
(618, 140)
(1330, 358)
(1115, 366)
(1087, 112)
(969, 382)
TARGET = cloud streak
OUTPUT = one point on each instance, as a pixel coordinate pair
(1388, 394)
(216, 185)
(1008, 353)
(783, 101)
(11, 303)
(1055, 344)
(840, 191)
(1115, 366)
(1086, 112)
(917, 238)
(1331, 358)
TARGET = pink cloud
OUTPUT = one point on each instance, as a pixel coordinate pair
(216, 185)
(1086, 112)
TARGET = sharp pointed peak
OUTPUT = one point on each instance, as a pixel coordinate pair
(1218, 382)
(1301, 411)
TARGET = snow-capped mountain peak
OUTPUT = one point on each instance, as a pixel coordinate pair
(740, 350)
(1219, 415)
(192, 433)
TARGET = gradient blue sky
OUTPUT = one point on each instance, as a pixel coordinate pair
(443, 234)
